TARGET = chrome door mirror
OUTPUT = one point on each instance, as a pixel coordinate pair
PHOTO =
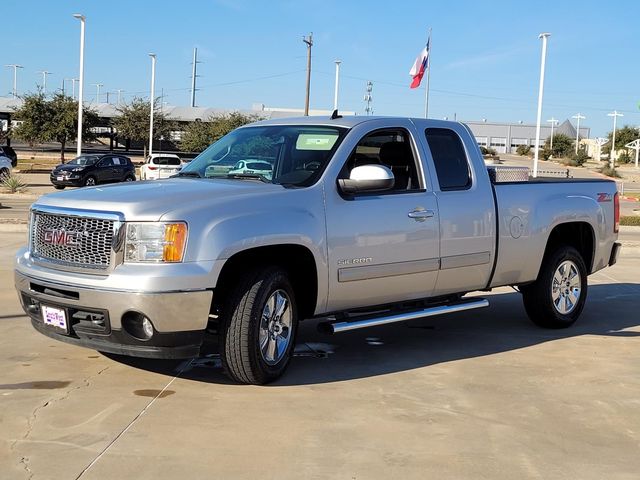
(367, 178)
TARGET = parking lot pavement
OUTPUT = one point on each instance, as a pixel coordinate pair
(484, 394)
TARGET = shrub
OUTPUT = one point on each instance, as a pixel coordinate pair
(630, 220)
(545, 153)
(609, 172)
(624, 157)
(523, 150)
(579, 158)
(488, 151)
(13, 183)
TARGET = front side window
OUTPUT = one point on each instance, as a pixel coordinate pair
(391, 148)
(450, 159)
(84, 160)
(288, 155)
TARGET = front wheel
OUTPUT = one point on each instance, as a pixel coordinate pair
(89, 181)
(59, 187)
(259, 323)
(557, 297)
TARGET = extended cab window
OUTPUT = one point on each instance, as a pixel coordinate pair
(450, 159)
(391, 148)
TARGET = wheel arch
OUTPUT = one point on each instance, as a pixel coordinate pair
(579, 235)
(297, 260)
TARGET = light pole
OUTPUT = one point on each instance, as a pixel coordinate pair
(15, 78)
(80, 82)
(44, 80)
(98, 85)
(335, 93)
(153, 86)
(544, 37)
(578, 117)
(553, 123)
(119, 95)
(615, 114)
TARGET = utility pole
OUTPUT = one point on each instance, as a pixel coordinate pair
(309, 41)
(15, 78)
(544, 37)
(368, 99)
(194, 75)
(44, 80)
(335, 93)
(97, 85)
(578, 117)
(615, 114)
(553, 123)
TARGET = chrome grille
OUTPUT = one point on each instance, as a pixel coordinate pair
(90, 245)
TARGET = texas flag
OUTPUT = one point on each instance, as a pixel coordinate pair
(419, 67)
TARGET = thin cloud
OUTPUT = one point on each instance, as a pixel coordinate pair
(487, 58)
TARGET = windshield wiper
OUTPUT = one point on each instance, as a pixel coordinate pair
(187, 174)
(250, 176)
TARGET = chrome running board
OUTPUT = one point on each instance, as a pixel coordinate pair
(373, 321)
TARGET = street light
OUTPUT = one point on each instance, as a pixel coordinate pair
(544, 37)
(615, 114)
(553, 123)
(153, 86)
(80, 82)
(97, 85)
(335, 94)
(44, 80)
(15, 78)
(578, 117)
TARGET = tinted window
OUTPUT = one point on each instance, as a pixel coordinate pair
(106, 162)
(117, 161)
(166, 161)
(449, 158)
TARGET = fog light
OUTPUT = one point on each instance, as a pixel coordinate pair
(137, 325)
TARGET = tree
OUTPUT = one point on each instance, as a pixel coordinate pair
(62, 126)
(199, 135)
(623, 136)
(34, 115)
(562, 145)
(133, 122)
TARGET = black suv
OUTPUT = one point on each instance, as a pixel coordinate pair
(92, 170)
(9, 153)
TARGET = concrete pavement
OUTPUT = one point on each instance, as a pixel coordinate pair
(478, 395)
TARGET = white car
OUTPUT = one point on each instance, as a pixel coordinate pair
(248, 167)
(160, 165)
(5, 166)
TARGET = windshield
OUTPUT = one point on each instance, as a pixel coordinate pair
(291, 155)
(84, 160)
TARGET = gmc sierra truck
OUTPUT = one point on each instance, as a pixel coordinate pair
(357, 221)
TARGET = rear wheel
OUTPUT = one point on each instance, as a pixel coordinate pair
(557, 297)
(129, 178)
(258, 327)
(89, 181)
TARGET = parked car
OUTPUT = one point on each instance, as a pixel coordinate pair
(250, 166)
(11, 153)
(366, 221)
(5, 166)
(160, 165)
(87, 170)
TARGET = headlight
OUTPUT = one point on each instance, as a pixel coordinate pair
(78, 169)
(155, 242)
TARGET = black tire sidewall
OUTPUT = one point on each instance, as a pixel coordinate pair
(537, 296)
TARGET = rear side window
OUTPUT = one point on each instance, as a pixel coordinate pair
(449, 158)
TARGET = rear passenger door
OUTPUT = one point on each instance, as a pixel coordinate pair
(467, 209)
(382, 247)
(105, 170)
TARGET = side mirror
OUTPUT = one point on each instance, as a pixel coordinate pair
(367, 178)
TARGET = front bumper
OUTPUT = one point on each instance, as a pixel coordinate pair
(75, 181)
(94, 317)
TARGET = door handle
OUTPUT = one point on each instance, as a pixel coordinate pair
(420, 215)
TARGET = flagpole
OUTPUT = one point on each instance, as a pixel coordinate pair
(426, 94)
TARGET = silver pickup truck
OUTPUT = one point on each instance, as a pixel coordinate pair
(357, 221)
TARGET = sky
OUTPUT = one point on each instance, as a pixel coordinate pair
(485, 55)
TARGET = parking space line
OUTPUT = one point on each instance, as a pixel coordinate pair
(135, 419)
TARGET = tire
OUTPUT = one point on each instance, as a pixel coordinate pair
(4, 172)
(249, 346)
(90, 181)
(129, 178)
(549, 306)
(59, 187)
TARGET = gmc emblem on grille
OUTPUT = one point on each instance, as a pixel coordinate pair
(62, 238)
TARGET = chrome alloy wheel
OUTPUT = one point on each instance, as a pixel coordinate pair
(90, 182)
(275, 327)
(566, 287)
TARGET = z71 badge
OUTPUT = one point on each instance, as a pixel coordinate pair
(604, 197)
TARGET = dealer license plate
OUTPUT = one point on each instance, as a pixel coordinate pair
(60, 177)
(55, 317)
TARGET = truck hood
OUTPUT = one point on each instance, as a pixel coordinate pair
(150, 200)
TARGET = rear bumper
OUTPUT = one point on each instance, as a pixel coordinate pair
(94, 317)
(615, 251)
